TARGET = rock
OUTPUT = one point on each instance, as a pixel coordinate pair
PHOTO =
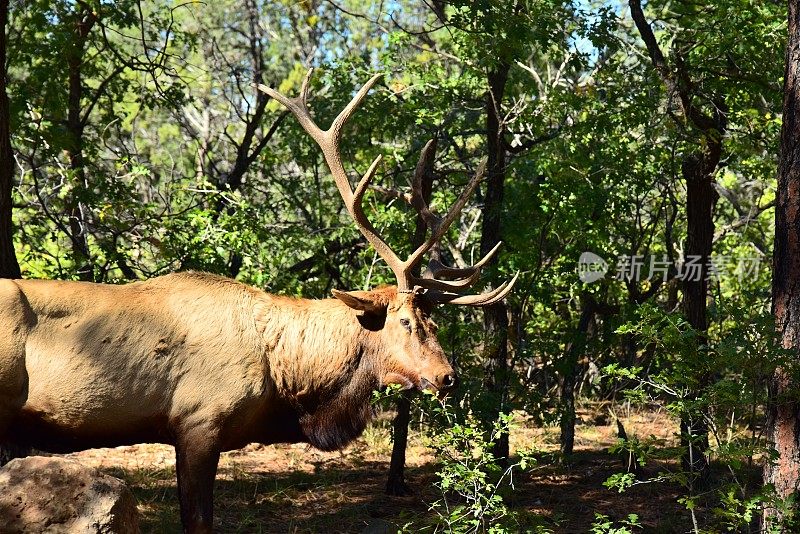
(380, 526)
(56, 495)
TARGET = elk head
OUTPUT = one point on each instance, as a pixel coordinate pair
(414, 357)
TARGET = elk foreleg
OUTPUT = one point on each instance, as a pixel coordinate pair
(196, 459)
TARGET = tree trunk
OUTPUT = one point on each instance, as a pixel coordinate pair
(9, 268)
(495, 316)
(396, 482)
(783, 410)
(77, 221)
(573, 353)
(698, 173)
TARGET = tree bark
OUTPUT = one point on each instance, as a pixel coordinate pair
(495, 316)
(573, 353)
(9, 268)
(783, 409)
(396, 482)
(698, 173)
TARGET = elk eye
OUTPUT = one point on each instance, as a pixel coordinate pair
(406, 324)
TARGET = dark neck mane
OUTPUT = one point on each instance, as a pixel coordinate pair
(323, 361)
(337, 417)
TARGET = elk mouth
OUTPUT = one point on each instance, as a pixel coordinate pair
(406, 383)
(424, 384)
(419, 383)
(441, 392)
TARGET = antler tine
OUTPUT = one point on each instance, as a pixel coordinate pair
(417, 200)
(483, 299)
(335, 131)
(361, 188)
(305, 86)
(437, 269)
(445, 285)
(423, 165)
(328, 141)
(298, 106)
(460, 279)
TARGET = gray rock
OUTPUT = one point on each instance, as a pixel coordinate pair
(380, 526)
(56, 495)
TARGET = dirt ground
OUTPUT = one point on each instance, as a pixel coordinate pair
(293, 488)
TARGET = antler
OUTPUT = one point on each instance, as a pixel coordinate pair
(436, 289)
(457, 279)
(328, 141)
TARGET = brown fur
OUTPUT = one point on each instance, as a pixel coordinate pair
(203, 363)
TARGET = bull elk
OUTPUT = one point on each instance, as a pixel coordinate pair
(207, 364)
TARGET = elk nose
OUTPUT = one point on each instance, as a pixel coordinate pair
(448, 381)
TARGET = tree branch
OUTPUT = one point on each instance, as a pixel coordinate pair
(676, 79)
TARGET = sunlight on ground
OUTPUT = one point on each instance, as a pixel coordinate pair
(293, 488)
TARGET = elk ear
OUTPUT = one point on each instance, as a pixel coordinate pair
(365, 301)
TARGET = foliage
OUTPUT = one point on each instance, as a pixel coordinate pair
(471, 479)
(142, 148)
(603, 525)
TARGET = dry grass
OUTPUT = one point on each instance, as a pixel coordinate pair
(292, 488)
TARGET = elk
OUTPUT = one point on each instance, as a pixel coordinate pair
(208, 364)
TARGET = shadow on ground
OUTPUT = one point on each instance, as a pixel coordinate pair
(346, 498)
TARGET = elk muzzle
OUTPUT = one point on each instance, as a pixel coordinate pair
(441, 382)
(447, 381)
